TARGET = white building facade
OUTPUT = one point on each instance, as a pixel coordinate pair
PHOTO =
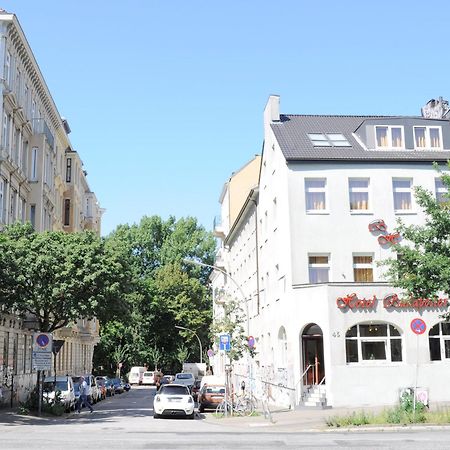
(328, 327)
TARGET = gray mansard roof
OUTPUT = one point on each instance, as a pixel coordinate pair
(292, 132)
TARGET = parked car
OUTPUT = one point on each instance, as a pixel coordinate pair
(166, 379)
(148, 378)
(135, 375)
(101, 384)
(186, 379)
(210, 396)
(118, 386)
(93, 390)
(195, 389)
(173, 400)
(63, 385)
(110, 391)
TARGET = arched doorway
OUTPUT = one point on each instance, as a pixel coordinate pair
(312, 355)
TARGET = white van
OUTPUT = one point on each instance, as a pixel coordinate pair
(136, 374)
(148, 378)
(64, 385)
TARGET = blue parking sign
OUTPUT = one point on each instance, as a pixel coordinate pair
(224, 342)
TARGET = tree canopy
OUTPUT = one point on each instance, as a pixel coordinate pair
(59, 277)
(166, 293)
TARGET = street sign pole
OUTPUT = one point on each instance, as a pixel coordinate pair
(418, 326)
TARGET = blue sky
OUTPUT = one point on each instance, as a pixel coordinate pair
(165, 98)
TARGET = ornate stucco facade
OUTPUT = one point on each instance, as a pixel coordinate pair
(42, 181)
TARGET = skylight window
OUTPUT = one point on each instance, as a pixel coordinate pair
(329, 140)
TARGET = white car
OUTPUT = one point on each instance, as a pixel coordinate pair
(64, 385)
(148, 378)
(173, 400)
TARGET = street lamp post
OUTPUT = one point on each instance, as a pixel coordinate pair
(195, 334)
(244, 297)
(199, 263)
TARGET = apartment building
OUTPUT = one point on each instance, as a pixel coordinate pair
(329, 329)
(42, 181)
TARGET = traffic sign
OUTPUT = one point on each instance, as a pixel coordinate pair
(41, 360)
(418, 326)
(57, 344)
(251, 341)
(42, 342)
(224, 342)
(210, 353)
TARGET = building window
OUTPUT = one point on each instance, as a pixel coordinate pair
(282, 348)
(2, 200)
(328, 140)
(428, 137)
(363, 268)
(441, 191)
(33, 169)
(66, 212)
(319, 268)
(315, 189)
(373, 342)
(69, 170)
(359, 194)
(439, 341)
(8, 69)
(389, 137)
(402, 189)
(33, 216)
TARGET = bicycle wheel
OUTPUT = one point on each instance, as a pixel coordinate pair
(222, 408)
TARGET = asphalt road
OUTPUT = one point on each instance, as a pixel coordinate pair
(126, 422)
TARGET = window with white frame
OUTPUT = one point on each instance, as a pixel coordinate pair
(428, 137)
(363, 268)
(439, 342)
(373, 342)
(315, 191)
(319, 268)
(328, 140)
(389, 136)
(402, 191)
(441, 191)
(359, 194)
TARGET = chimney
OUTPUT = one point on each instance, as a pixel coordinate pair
(436, 109)
(272, 110)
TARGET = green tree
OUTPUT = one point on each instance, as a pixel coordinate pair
(165, 292)
(58, 277)
(422, 263)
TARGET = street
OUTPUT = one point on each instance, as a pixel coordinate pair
(126, 422)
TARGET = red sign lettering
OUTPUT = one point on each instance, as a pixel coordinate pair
(353, 302)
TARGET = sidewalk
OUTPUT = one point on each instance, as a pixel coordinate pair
(310, 420)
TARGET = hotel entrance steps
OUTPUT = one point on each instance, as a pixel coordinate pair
(314, 396)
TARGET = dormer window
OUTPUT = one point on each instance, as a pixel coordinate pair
(428, 137)
(329, 140)
(389, 137)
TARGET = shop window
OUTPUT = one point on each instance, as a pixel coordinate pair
(359, 194)
(363, 268)
(315, 189)
(319, 268)
(373, 342)
(439, 341)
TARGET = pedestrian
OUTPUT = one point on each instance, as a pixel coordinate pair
(84, 396)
